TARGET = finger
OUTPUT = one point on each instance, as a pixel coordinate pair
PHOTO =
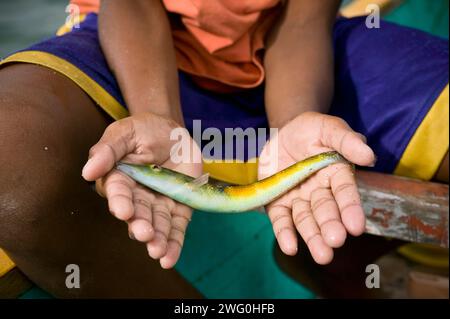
(157, 247)
(118, 191)
(140, 230)
(180, 221)
(338, 135)
(309, 230)
(283, 227)
(345, 191)
(141, 225)
(116, 142)
(326, 215)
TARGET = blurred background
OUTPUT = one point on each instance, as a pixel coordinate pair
(23, 22)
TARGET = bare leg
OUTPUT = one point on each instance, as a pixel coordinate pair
(50, 217)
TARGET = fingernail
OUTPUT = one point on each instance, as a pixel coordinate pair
(85, 166)
(131, 235)
(374, 162)
(363, 137)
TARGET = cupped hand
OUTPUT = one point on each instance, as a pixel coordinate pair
(153, 219)
(327, 206)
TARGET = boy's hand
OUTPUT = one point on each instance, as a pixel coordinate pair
(327, 206)
(152, 218)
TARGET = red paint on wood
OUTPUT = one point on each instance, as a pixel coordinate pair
(403, 185)
(405, 208)
(417, 224)
(382, 215)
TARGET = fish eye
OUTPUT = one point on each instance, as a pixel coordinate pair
(156, 168)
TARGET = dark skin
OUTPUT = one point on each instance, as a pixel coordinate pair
(147, 73)
(50, 216)
(301, 38)
(324, 212)
(304, 28)
(41, 187)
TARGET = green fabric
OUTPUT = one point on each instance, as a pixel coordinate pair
(36, 293)
(430, 16)
(231, 256)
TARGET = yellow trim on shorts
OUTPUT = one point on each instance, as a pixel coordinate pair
(70, 23)
(236, 172)
(425, 254)
(421, 158)
(358, 8)
(6, 264)
(105, 100)
(429, 144)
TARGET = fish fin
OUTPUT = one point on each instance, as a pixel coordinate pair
(200, 181)
(192, 185)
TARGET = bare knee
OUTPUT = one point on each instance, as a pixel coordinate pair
(44, 143)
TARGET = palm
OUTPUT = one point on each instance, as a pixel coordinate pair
(326, 206)
(152, 218)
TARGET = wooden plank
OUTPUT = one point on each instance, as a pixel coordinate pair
(404, 208)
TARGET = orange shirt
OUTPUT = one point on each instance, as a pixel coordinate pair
(217, 41)
(87, 6)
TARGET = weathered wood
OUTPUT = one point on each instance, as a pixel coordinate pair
(404, 208)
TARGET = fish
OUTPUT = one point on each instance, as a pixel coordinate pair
(200, 195)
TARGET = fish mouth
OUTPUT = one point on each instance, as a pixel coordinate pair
(126, 168)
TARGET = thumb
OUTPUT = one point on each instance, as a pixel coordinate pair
(117, 141)
(338, 135)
